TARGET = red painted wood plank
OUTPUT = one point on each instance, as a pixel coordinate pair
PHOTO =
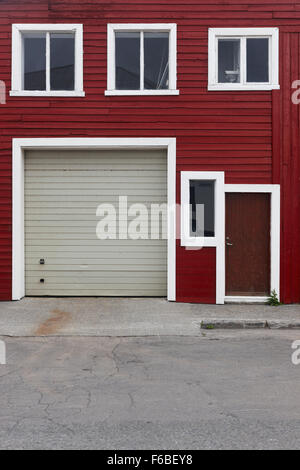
(295, 285)
(196, 278)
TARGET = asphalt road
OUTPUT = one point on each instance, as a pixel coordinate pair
(224, 390)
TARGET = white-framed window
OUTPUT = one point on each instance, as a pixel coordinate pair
(243, 59)
(141, 59)
(202, 208)
(47, 60)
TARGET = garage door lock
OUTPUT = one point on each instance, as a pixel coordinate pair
(42, 261)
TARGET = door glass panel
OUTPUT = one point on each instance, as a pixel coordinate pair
(156, 56)
(34, 62)
(229, 60)
(258, 60)
(62, 61)
(202, 206)
(128, 61)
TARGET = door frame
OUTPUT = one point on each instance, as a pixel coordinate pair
(219, 241)
(274, 191)
(18, 238)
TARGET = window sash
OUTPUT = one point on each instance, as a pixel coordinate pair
(29, 56)
(219, 201)
(243, 59)
(269, 63)
(142, 59)
(218, 40)
(48, 63)
(202, 211)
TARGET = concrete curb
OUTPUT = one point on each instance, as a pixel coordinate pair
(281, 324)
(212, 324)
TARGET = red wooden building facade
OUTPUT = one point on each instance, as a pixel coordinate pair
(251, 136)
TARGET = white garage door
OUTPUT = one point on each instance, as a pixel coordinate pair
(63, 255)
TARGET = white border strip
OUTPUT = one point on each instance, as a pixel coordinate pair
(219, 240)
(17, 59)
(274, 190)
(245, 299)
(218, 178)
(215, 33)
(20, 145)
(171, 28)
(216, 241)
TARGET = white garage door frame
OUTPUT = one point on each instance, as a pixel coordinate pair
(18, 238)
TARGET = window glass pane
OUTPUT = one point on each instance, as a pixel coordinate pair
(202, 206)
(34, 61)
(127, 61)
(229, 60)
(62, 61)
(156, 56)
(258, 60)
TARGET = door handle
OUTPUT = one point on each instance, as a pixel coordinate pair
(228, 242)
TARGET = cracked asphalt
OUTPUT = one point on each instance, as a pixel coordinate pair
(220, 390)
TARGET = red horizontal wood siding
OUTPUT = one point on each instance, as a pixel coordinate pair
(287, 165)
(196, 275)
(222, 131)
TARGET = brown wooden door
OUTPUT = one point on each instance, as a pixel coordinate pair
(247, 244)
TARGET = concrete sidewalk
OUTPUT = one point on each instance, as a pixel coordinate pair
(119, 317)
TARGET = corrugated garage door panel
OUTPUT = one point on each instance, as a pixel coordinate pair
(62, 192)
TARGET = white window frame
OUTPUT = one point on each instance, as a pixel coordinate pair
(218, 240)
(141, 28)
(218, 178)
(215, 34)
(17, 58)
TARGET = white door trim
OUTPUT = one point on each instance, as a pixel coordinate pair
(216, 241)
(19, 147)
(274, 190)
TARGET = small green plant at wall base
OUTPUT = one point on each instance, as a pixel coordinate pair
(273, 299)
(207, 327)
